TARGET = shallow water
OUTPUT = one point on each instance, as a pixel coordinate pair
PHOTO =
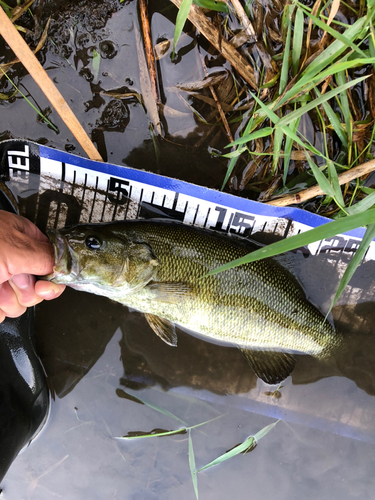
(95, 350)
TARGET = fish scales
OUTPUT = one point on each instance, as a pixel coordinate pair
(255, 305)
(160, 268)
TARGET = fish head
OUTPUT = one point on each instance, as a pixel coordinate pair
(94, 255)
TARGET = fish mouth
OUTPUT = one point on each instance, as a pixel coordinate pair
(63, 268)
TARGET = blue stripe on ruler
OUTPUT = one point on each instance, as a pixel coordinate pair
(193, 190)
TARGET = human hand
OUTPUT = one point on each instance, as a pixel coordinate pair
(24, 252)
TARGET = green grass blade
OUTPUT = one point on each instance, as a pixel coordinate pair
(362, 205)
(332, 172)
(343, 65)
(260, 434)
(335, 122)
(44, 118)
(7, 8)
(322, 232)
(165, 412)
(241, 448)
(286, 130)
(345, 103)
(230, 168)
(268, 112)
(6, 97)
(305, 84)
(95, 64)
(122, 394)
(321, 179)
(297, 40)
(263, 132)
(193, 469)
(371, 43)
(277, 142)
(367, 190)
(212, 5)
(180, 21)
(288, 148)
(182, 430)
(158, 434)
(290, 133)
(285, 63)
(354, 262)
(205, 422)
(235, 153)
(232, 453)
(316, 102)
(336, 34)
(326, 58)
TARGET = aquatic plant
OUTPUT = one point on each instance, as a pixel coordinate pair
(248, 445)
(301, 81)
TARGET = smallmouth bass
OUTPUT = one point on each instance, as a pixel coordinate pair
(159, 268)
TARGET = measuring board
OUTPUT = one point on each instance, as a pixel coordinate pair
(55, 188)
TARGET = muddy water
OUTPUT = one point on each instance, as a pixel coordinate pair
(97, 353)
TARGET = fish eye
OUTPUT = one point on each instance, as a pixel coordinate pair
(93, 243)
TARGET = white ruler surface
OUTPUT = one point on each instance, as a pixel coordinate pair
(56, 188)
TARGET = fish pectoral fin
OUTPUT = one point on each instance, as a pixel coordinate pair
(163, 329)
(170, 291)
(270, 366)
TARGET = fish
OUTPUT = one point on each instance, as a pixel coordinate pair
(160, 268)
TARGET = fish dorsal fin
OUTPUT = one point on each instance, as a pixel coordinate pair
(270, 366)
(170, 291)
(163, 329)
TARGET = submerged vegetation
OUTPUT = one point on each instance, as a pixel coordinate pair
(245, 447)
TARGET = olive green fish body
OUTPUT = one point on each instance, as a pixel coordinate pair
(257, 306)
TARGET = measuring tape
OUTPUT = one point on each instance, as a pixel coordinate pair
(55, 189)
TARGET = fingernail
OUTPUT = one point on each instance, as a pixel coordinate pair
(21, 281)
(47, 294)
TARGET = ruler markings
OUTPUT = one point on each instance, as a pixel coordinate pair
(133, 195)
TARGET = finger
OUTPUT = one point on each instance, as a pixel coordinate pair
(9, 303)
(23, 286)
(23, 255)
(2, 316)
(24, 248)
(48, 290)
(22, 225)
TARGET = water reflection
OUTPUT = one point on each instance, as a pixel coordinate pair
(80, 339)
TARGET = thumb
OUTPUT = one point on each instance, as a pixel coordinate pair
(28, 256)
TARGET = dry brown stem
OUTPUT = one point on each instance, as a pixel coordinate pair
(309, 30)
(220, 109)
(222, 114)
(241, 14)
(150, 57)
(146, 86)
(20, 9)
(209, 31)
(33, 66)
(6, 66)
(307, 194)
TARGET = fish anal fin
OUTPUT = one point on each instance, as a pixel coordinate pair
(270, 366)
(170, 292)
(163, 329)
